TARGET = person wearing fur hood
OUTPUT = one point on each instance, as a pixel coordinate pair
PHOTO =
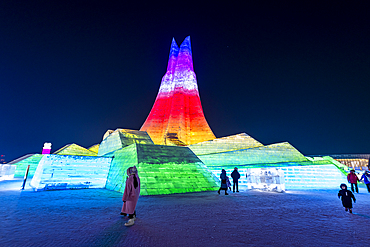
(131, 195)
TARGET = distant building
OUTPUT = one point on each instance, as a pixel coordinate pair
(358, 162)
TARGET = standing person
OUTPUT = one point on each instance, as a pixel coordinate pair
(223, 182)
(235, 175)
(347, 197)
(366, 178)
(352, 179)
(131, 195)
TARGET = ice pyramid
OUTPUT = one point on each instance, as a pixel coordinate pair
(162, 170)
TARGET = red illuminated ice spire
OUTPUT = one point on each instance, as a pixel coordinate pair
(177, 116)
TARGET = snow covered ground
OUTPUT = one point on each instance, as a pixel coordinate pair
(250, 218)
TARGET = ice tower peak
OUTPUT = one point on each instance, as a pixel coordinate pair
(185, 59)
(185, 45)
(172, 59)
(174, 48)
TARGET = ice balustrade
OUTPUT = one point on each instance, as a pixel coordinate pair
(286, 177)
(7, 171)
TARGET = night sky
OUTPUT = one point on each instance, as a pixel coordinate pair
(71, 70)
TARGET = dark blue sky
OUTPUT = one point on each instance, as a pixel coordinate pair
(277, 71)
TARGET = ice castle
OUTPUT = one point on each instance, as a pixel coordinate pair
(176, 151)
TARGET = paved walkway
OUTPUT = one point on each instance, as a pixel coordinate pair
(252, 218)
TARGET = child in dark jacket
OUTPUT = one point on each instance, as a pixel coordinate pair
(228, 183)
(347, 197)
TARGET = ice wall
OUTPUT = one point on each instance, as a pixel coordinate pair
(70, 172)
(316, 176)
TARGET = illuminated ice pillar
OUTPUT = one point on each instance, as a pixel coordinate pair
(177, 116)
(47, 148)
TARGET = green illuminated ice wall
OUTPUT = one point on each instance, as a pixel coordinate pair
(225, 144)
(275, 153)
(242, 149)
(162, 170)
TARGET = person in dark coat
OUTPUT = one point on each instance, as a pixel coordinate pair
(347, 197)
(352, 179)
(235, 175)
(223, 182)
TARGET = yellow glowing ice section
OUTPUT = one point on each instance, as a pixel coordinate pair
(94, 148)
(120, 138)
(74, 149)
(224, 144)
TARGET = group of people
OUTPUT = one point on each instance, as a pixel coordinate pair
(132, 190)
(346, 195)
(353, 179)
(225, 182)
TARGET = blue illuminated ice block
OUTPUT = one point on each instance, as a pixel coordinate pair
(70, 172)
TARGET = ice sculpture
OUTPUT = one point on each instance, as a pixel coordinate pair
(267, 179)
(177, 116)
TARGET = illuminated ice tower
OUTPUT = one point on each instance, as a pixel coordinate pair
(177, 116)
